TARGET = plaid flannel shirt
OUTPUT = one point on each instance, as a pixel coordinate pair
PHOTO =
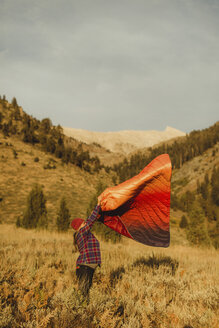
(88, 245)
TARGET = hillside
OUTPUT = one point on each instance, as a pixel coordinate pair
(185, 178)
(14, 121)
(22, 165)
(33, 151)
(123, 141)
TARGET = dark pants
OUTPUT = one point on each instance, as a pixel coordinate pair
(85, 276)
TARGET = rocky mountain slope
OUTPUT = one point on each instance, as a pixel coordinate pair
(124, 141)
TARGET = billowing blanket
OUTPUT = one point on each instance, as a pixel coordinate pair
(139, 208)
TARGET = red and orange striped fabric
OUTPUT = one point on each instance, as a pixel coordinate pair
(139, 208)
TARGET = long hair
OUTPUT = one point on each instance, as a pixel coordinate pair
(74, 241)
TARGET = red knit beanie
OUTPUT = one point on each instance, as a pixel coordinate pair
(76, 223)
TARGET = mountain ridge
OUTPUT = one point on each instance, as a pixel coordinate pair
(124, 141)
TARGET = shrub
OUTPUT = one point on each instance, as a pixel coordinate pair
(116, 275)
(155, 262)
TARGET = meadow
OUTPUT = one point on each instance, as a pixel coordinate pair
(136, 286)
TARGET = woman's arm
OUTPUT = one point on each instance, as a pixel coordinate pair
(90, 221)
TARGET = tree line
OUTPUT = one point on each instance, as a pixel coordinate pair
(180, 151)
(35, 215)
(51, 138)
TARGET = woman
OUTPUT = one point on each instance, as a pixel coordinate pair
(89, 249)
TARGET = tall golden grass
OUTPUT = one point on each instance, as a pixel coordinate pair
(136, 286)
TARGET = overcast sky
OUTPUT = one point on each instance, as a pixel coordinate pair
(109, 65)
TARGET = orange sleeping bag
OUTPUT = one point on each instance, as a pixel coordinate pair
(139, 208)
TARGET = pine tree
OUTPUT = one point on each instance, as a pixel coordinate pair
(16, 113)
(36, 212)
(197, 232)
(14, 102)
(45, 125)
(63, 218)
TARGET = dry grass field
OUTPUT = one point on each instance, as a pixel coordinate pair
(136, 286)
